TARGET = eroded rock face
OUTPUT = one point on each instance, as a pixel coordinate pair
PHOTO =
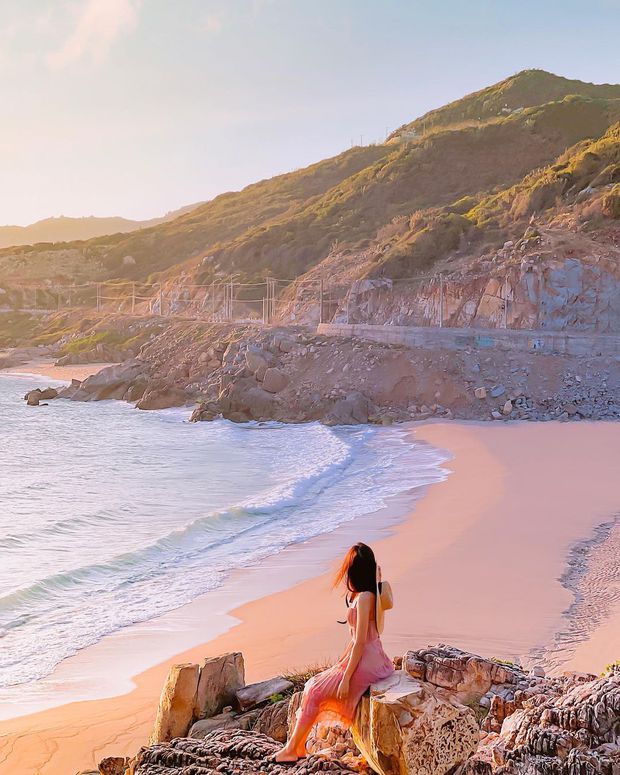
(220, 678)
(228, 751)
(409, 726)
(467, 675)
(176, 705)
(574, 729)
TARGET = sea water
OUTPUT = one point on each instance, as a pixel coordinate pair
(111, 516)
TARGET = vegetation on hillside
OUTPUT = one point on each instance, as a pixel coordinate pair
(434, 233)
(443, 183)
(522, 90)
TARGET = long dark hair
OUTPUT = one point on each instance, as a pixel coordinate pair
(358, 570)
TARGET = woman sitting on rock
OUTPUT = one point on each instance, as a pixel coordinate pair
(336, 692)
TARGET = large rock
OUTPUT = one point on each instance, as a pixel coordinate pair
(162, 398)
(244, 400)
(274, 380)
(226, 720)
(352, 410)
(272, 720)
(257, 359)
(220, 678)
(407, 726)
(468, 676)
(33, 397)
(110, 381)
(176, 704)
(254, 694)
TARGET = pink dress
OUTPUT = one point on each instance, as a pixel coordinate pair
(320, 693)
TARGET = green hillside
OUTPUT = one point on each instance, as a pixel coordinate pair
(434, 233)
(287, 224)
(523, 90)
(160, 247)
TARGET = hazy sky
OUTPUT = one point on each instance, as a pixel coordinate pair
(136, 107)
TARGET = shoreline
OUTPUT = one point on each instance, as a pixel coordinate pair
(462, 571)
(45, 367)
(84, 676)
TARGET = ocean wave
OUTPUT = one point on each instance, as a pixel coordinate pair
(183, 507)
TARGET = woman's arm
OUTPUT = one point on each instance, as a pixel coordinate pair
(364, 607)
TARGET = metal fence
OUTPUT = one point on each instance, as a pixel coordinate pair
(512, 299)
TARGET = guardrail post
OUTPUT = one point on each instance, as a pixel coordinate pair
(440, 301)
(133, 298)
(321, 300)
(98, 297)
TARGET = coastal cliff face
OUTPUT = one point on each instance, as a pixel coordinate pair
(443, 711)
(245, 373)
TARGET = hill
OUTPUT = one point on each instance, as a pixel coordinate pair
(289, 224)
(522, 90)
(64, 229)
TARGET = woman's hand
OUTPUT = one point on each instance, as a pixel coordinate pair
(343, 688)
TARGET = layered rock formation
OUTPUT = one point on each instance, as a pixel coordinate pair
(443, 712)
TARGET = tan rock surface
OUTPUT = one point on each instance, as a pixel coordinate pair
(407, 726)
(220, 677)
(176, 704)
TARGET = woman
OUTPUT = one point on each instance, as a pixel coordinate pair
(336, 692)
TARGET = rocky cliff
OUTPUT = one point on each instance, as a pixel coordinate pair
(444, 711)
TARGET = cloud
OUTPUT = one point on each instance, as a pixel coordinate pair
(98, 23)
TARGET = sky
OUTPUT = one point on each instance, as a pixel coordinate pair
(137, 107)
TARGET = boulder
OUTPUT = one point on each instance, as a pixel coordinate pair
(254, 694)
(176, 704)
(245, 400)
(468, 676)
(205, 411)
(569, 726)
(480, 392)
(70, 390)
(352, 410)
(220, 678)
(162, 398)
(274, 380)
(410, 726)
(33, 397)
(256, 359)
(226, 720)
(114, 375)
(48, 393)
(272, 720)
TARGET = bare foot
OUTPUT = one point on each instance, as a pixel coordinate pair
(285, 756)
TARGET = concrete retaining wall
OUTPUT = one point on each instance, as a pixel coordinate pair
(463, 338)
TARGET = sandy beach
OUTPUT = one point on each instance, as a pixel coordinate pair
(477, 563)
(46, 367)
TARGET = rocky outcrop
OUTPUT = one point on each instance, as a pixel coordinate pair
(513, 722)
(177, 702)
(410, 726)
(247, 373)
(220, 678)
(228, 751)
(468, 676)
(571, 727)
